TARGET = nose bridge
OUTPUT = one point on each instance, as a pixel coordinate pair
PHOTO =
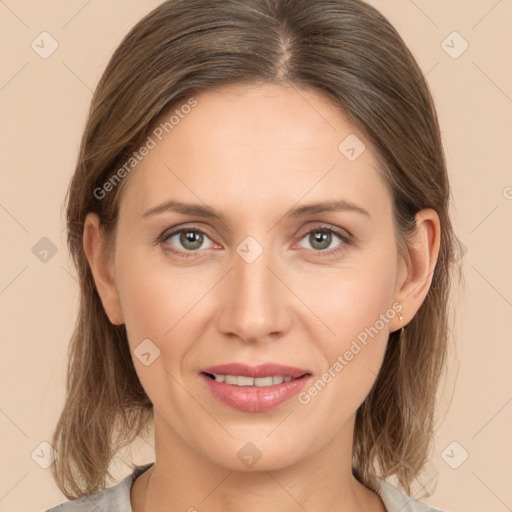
(254, 305)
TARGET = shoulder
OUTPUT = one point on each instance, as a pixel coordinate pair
(112, 499)
(396, 501)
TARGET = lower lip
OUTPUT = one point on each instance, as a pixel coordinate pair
(252, 398)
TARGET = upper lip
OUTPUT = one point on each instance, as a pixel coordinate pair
(262, 370)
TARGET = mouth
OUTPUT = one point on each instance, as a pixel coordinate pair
(259, 382)
(261, 371)
(254, 388)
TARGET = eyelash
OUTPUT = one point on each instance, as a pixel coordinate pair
(346, 240)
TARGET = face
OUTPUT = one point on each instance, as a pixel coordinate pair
(266, 280)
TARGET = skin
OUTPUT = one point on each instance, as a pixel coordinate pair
(253, 153)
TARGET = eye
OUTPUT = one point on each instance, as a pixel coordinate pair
(186, 240)
(321, 238)
(189, 241)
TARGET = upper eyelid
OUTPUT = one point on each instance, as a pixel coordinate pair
(173, 231)
(343, 234)
(328, 227)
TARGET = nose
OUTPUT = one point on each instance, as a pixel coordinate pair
(254, 302)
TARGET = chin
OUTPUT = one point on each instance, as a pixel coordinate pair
(254, 456)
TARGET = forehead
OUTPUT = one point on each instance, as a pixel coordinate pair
(256, 146)
(271, 115)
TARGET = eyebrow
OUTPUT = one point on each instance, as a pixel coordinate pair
(200, 210)
(329, 206)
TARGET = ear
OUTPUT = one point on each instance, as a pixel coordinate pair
(415, 276)
(101, 268)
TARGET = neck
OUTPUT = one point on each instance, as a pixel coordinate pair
(184, 480)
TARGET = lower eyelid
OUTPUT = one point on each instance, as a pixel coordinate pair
(344, 240)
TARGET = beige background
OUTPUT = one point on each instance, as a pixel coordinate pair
(43, 107)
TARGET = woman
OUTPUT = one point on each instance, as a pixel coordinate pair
(259, 219)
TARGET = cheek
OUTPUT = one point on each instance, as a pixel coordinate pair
(351, 299)
(158, 302)
(356, 305)
(153, 303)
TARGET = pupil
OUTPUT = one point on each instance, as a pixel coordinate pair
(191, 239)
(324, 239)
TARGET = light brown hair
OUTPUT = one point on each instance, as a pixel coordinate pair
(343, 49)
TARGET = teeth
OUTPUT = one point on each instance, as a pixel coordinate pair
(241, 380)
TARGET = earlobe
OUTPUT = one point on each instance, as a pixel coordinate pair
(423, 253)
(101, 268)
